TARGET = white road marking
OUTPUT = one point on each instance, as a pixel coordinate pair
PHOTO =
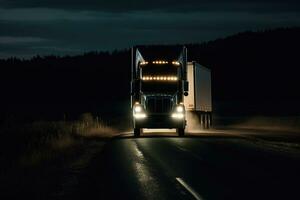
(189, 189)
(138, 152)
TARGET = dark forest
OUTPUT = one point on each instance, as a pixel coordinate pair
(252, 73)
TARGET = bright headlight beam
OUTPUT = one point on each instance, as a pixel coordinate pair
(179, 109)
(140, 115)
(178, 115)
(138, 108)
(138, 112)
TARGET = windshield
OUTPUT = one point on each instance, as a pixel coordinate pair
(166, 87)
(159, 78)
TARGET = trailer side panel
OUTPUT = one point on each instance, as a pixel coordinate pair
(189, 101)
(202, 86)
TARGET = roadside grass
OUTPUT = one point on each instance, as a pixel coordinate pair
(34, 157)
(29, 144)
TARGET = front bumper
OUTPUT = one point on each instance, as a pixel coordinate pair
(159, 121)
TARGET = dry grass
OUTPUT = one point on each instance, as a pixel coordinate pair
(36, 158)
(100, 132)
(34, 143)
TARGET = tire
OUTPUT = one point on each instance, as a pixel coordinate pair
(180, 132)
(137, 132)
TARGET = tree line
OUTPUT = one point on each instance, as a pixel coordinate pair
(246, 67)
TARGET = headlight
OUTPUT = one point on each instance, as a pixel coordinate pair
(139, 115)
(138, 108)
(178, 115)
(138, 112)
(179, 109)
(179, 112)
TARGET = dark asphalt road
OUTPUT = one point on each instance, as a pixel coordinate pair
(190, 168)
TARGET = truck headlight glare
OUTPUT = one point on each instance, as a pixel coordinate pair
(139, 115)
(178, 115)
(138, 108)
(138, 112)
(178, 112)
(179, 109)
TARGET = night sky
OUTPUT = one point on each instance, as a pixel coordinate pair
(30, 27)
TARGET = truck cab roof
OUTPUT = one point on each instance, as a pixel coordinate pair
(159, 52)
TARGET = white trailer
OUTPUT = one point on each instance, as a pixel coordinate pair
(199, 100)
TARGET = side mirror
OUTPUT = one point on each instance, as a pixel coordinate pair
(185, 86)
(132, 88)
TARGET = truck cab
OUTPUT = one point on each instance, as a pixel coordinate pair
(157, 90)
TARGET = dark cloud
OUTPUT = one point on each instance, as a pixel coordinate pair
(79, 32)
(19, 40)
(162, 5)
(72, 27)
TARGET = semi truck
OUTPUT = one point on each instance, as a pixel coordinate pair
(160, 90)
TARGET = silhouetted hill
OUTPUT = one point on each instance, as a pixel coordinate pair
(258, 69)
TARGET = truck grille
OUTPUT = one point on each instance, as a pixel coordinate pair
(159, 104)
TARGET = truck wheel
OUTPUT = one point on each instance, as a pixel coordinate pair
(180, 131)
(137, 132)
